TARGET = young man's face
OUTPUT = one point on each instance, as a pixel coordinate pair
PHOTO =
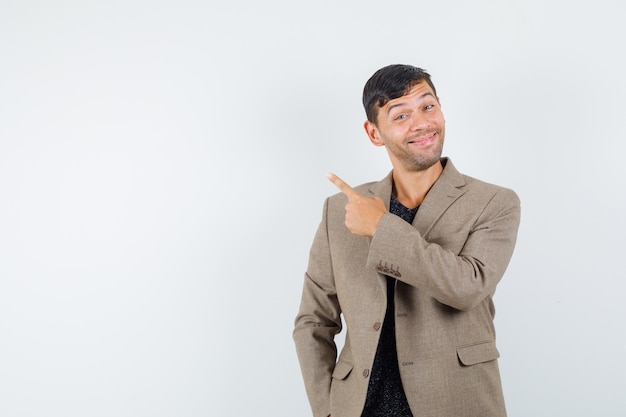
(412, 129)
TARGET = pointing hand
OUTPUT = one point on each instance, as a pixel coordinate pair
(363, 213)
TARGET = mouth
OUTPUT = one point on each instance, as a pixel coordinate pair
(424, 140)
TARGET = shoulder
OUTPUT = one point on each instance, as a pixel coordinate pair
(490, 191)
(477, 185)
(477, 188)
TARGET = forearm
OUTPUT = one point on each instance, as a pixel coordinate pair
(459, 269)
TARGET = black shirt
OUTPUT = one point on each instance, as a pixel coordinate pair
(385, 394)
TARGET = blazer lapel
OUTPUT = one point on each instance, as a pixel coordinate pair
(446, 190)
(382, 189)
(442, 194)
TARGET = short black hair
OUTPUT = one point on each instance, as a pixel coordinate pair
(391, 82)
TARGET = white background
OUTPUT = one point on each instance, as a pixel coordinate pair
(162, 175)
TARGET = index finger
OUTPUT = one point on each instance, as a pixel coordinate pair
(341, 184)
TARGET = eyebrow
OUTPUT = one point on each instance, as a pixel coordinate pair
(404, 104)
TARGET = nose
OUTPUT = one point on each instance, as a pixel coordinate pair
(419, 121)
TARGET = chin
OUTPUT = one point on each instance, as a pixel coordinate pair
(422, 163)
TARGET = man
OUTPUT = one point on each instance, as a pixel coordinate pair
(412, 263)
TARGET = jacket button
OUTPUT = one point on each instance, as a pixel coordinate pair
(376, 325)
(366, 373)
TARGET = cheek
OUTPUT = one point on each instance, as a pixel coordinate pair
(438, 120)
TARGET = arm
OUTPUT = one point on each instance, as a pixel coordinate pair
(317, 323)
(461, 280)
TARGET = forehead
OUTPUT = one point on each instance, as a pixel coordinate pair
(417, 92)
(414, 97)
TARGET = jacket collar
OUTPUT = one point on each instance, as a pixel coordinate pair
(445, 191)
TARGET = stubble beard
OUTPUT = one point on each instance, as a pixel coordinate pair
(418, 162)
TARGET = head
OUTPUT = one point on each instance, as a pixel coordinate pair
(404, 115)
(391, 82)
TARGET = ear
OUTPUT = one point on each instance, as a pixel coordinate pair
(373, 133)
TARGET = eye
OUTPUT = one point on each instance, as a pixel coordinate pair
(401, 117)
(429, 106)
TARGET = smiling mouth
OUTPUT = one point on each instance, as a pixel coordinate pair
(423, 140)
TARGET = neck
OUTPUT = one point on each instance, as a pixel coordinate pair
(411, 187)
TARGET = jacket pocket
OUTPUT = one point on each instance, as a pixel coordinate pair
(478, 353)
(342, 370)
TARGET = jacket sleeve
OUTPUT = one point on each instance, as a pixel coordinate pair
(317, 323)
(460, 279)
